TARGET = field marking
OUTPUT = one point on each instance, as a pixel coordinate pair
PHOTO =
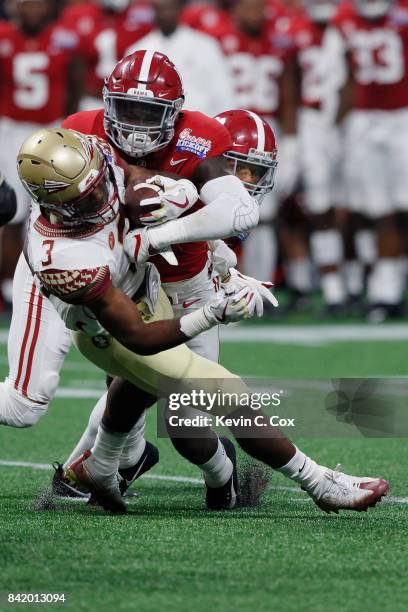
(189, 480)
(314, 335)
(309, 335)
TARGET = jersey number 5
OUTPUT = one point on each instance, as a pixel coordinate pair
(47, 252)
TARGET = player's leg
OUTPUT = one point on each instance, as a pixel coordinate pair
(177, 370)
(318, 161)
(369, 172)
(37, 345)
(202, 447)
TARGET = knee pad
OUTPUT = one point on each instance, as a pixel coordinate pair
(18, 411)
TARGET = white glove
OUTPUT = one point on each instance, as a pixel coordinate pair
(222, 257)
(236, 282)
(220, 310)
(137, 247)
(78, 318)
(178, 197)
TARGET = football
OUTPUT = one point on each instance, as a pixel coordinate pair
(135, 195)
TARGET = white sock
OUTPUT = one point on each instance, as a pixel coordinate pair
(107, 451)
(354, 277)
(299, 275)
(333, 288)
(134, 445)
(366, 246)
(303, 470)
(387, 282)
(88, 437)
(218, 469)
(326, 247)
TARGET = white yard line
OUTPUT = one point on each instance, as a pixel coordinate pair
(312, 335)
(187, 480)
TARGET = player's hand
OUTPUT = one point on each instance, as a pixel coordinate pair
(175, 199)
(231, 308)
(136, 244)
(138, 248)
(235, 282)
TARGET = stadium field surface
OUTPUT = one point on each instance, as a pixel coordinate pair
(169, 554)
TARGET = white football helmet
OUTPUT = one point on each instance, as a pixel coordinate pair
(320, 11)
(373, 9)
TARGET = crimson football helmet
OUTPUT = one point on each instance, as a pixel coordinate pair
(373, 9)
(320, 11)
(142, 97)
(253, 147)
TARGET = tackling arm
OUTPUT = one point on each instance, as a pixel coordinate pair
(228, 211)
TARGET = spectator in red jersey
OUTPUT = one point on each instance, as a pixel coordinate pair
(371, 38)
(260, 57)
(319, 92)
(198, 57)
(40, 83)
(108, 30)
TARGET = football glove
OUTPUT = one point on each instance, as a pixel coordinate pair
(220, 310)
(235, 282)
(177, 197)
(137, 247)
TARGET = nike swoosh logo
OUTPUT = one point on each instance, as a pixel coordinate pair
(301, 469)
(129, 482)
(179, 204)
(176, 162)
(188, 304)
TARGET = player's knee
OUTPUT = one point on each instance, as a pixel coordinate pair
(18, 411)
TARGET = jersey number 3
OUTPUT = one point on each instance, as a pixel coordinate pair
(47, 246)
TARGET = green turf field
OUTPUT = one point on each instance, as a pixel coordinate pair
(168, 553)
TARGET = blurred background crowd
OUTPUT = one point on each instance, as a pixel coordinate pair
(331, 78)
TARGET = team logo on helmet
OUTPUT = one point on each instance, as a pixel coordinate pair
(50, 186)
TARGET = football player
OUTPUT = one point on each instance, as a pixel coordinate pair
(107, 30)
(370, 38)
(40, 84)
(260, 56)
(319, 89)
(252, 158)
(79, 188)
(187, 144)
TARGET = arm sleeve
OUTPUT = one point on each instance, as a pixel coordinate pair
(76, 286)
(229, 211)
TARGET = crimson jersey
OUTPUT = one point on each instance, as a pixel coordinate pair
(106, 37)
(257, 63)
(197, 137)
(308, 38)
(34, 72)
(207, 19)
(377, 56)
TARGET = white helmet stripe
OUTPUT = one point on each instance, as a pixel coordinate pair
(145, 69)
(260, 129)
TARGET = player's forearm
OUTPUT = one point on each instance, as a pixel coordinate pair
(229, 211)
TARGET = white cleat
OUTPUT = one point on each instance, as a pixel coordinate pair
(337, 491)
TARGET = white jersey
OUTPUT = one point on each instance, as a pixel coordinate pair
(79, 266)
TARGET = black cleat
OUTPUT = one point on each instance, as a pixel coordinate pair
(62, 487)
(148, 460)
(225, 497)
